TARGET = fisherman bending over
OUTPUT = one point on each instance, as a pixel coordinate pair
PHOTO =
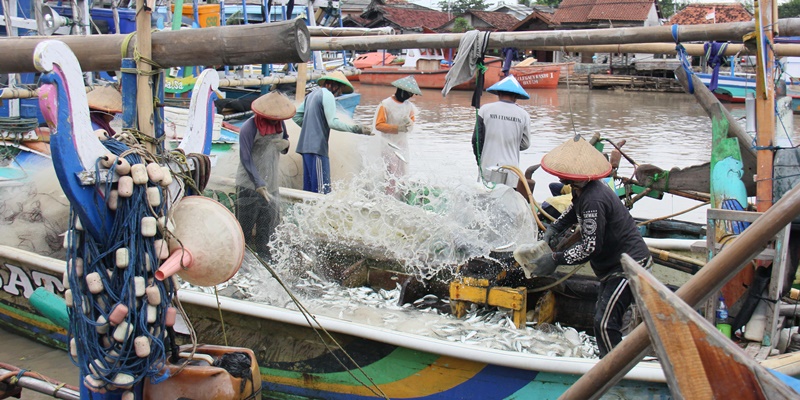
(262, 139)
(607, 231)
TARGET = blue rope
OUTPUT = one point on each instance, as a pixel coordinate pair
(105, 355)
(683, 57)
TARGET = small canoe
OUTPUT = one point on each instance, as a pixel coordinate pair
(698, 361)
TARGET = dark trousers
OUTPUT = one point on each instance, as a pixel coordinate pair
(612, 302)
(257, 217)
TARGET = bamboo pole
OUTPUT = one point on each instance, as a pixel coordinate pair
(331, 31)
(613, 367)
(693, 49)
(300, 89)
(227, 45)
(733, 32)
(144, 89)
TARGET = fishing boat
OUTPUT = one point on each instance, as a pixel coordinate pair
(429, 68)
(536, 76)
(371, 59)
(733, 89)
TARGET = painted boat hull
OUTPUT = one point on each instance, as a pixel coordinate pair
(732, 89)
(537, 76)
(385, 75)
(294, 363)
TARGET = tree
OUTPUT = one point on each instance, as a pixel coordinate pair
(790, 9)
(550, 3)
(461, 6)
(461, 25)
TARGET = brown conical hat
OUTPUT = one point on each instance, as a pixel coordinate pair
(577, 160)
(105, 98)
(274, 105)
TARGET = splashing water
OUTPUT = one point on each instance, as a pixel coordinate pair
(430, 230)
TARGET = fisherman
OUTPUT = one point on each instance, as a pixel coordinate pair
(105, 103)
(317, 116)
(607, 231)
(502, 131)
(262, 139)
(394, 118)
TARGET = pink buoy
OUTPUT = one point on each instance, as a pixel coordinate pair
(212, 236)
(118, 315)
(169, 319)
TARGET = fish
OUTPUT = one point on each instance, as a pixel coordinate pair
(400, 156)
(392, 145)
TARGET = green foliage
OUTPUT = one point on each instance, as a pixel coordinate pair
(461, 25)
(551, 3)
(790, 9)
(461, 6)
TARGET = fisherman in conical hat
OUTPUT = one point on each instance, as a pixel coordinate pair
(502, 131)
(394, 118)
(607, 230)
(105, 103)
(262, 139)
(316, 117)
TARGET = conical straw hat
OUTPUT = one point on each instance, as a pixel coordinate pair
(509, 84)
(577, 160)
(105, 98)
(338, 76)
(274, 105)
(409, 84)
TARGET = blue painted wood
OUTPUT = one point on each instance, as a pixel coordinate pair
(159, 113)
(129, 94)
(86, 200)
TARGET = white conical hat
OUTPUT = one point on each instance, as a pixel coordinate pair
(509, 84)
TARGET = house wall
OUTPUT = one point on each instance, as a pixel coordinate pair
(652, 18)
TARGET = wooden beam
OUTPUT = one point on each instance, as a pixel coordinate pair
(228, 45)
(732, 32)
(613, 367)
(693, 49)
(765, 104)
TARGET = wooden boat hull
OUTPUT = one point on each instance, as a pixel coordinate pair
(385, 75)
(537, 76)
(294, 363)
(732, 89)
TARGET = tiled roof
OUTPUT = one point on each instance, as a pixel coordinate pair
(354, 4)
(581, 11)
(696, 14)
(545, 17)
(499, 20)
(410, 19)
(621, 10)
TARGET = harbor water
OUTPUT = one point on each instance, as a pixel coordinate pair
(663, 129)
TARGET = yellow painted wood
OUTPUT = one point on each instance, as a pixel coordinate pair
(513, 298)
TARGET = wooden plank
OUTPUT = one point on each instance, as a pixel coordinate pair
(788, 363)
(498, 296)
(698, 361)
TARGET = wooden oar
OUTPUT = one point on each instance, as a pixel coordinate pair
(708, 280)
(698, 361)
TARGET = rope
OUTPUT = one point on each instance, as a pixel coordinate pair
(104, 352)
(309, 318)
(643, 223)
(683, 57)
(221, 320)
(558, 282)
(534, 205)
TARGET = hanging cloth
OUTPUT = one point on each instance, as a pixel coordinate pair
(509, 54)
(715, 57)
(470, 53)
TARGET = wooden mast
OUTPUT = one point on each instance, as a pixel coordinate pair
(765, 103)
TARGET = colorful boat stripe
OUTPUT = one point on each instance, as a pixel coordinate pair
(39, 327)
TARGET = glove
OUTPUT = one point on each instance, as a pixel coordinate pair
(364, 130)
(528, 255)
(263, 192)
(405, 126)
(544, 265)
(550, 237)
(282, 144)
